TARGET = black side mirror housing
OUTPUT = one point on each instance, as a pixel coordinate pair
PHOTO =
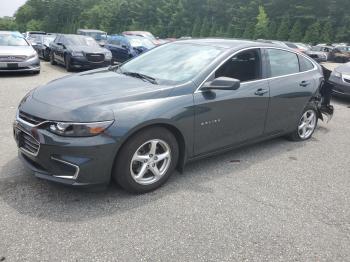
(61, 44)
(222, 83)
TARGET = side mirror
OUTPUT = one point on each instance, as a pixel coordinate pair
(61, 44)
(222, 83)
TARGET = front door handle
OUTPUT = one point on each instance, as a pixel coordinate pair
(261, 92)
(304, 83)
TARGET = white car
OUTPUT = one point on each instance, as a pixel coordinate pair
(16, 54)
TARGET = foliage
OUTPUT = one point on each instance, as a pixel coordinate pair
(295, 20)
(262, 25)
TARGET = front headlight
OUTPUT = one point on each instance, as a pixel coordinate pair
(76, 54)
(32, 56)
(79, 129)
(108, 55)
(337, 74)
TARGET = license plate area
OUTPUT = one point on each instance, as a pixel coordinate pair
(12, 65)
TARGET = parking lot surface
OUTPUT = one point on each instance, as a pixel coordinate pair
(274, 201)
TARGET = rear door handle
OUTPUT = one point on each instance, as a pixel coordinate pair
(261, 92)
(304, 83)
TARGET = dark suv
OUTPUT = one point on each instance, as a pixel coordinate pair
(78, 52)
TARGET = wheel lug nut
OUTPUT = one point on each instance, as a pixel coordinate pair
(153, 165)
(150, 155)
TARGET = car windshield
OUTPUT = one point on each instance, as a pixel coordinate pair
(97, 36)
(48, 39)
(78, 40)
(12, 40)
(173, 63)
(137, 42)
(149, 35)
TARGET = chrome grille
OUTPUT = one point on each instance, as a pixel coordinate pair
(28, 143)
(95, 58)
(14, 58)
(29, 118)
(347, 80)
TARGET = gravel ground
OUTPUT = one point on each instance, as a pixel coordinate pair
(275, 201)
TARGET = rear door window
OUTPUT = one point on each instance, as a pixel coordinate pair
(282, 62)
(305, 64)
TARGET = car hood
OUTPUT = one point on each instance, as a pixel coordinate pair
(16, 50)
(90, 96)
(88, 49)
(345, 68)
(315, 53)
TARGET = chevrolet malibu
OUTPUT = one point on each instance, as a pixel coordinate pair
(138, 122)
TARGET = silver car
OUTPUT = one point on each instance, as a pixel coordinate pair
(16, 54)
(340, 78)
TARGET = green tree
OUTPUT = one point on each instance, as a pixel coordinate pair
(34, 25)
(312, 33)
(196, 31)
(8, 23)
(283, 29)
(205, 29)
(296, 34)
(249, 31)
(272, 30)
(261, 27)
(326, 32)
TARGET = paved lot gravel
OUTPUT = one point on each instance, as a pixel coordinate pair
(275, 201)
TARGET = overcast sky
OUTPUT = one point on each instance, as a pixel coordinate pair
(9, 7)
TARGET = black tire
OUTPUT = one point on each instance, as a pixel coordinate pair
(122, 173)
(46, 54)
(296, 136)
(52, 59)
(67, 63)
(36, 72)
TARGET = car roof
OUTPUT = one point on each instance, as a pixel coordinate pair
(229, 43)
(136, 32)
(91, 30)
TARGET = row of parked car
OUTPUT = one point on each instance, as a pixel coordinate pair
(88, 49)
(338, 53)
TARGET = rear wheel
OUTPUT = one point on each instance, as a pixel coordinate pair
(147, 160)
(306, 126)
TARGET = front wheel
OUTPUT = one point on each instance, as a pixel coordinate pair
(52, 59)
(67, 63)
(147, 160)
(306, 126)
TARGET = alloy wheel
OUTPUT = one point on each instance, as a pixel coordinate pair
(307, 124)
(150, 162)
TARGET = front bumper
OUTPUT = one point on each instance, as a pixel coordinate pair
(81, 161)
(340, 86)
(83, 63)
(30, 65)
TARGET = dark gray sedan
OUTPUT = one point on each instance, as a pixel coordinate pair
(340, 78)
(138, 122)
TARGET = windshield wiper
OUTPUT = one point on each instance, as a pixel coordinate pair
(114, 67)
(141, 76)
